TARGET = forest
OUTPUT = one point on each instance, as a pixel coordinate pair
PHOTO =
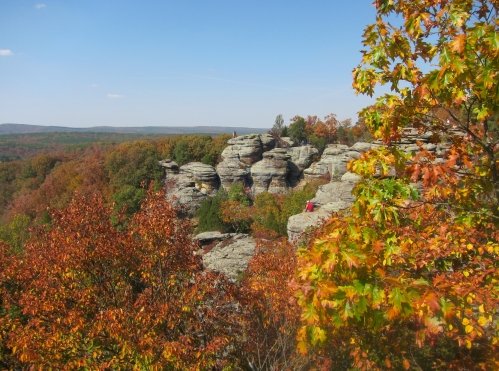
(98, 270)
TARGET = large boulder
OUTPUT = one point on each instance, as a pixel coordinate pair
(270, 174)
(229, 255)
(239, 155)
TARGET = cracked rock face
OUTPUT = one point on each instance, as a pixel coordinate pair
(205, 177)
(229, 255)
(336, 191)
(334, 160)
(270, 174)
(239, 155)
(193, 183)
(330, 198)
(301, 158)
(171, 167)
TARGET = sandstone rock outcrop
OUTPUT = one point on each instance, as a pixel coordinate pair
(171, 167)
(228, 253)
(299, 223)
(270, 174)
(205, 177)
(330, 198)
(239, 155)
(188, 187)
(300, 159)
(334, 160)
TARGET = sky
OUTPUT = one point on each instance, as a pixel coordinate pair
(83, 63)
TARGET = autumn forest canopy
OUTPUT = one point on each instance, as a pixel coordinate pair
(99, 269)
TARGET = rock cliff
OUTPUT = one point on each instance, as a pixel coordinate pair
(254, 161)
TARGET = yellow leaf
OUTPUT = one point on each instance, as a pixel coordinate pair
(466, 321)
(459, 43)
(468, 329)
(482, 321)
(468, 344)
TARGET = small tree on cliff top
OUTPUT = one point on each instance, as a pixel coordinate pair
(417, 267)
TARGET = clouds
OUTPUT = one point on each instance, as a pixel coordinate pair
(6, 53)
(115, 96)
(40, 6)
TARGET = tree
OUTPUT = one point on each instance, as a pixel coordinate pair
(297, 130)
(416, 266)
(131, 168)
(85, 295)
(209, 213)
(271, 315)
(278, 128)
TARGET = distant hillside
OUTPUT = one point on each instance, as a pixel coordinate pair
(144, 130)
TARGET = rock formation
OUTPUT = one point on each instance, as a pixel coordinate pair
(190, 184)
(239, 155)
(300, 159)
(253, 161)
(330, 198)
(334, 160)
(227, 253)
(270, 174)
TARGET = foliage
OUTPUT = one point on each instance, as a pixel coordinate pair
(349, 135)
(235, 211)
(278, 129)
(84, 295)
(131, 167)
(15, 233)
(321, 132)
(187, 148)
(271, 313)
(296, 130)
(268, 215)
(209, 213)
(24, 146)
(416, 266)
(181, 154)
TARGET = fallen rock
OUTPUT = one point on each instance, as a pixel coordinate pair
(299, 224)
(230, 256)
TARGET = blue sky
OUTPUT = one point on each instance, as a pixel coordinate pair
(178, 63)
